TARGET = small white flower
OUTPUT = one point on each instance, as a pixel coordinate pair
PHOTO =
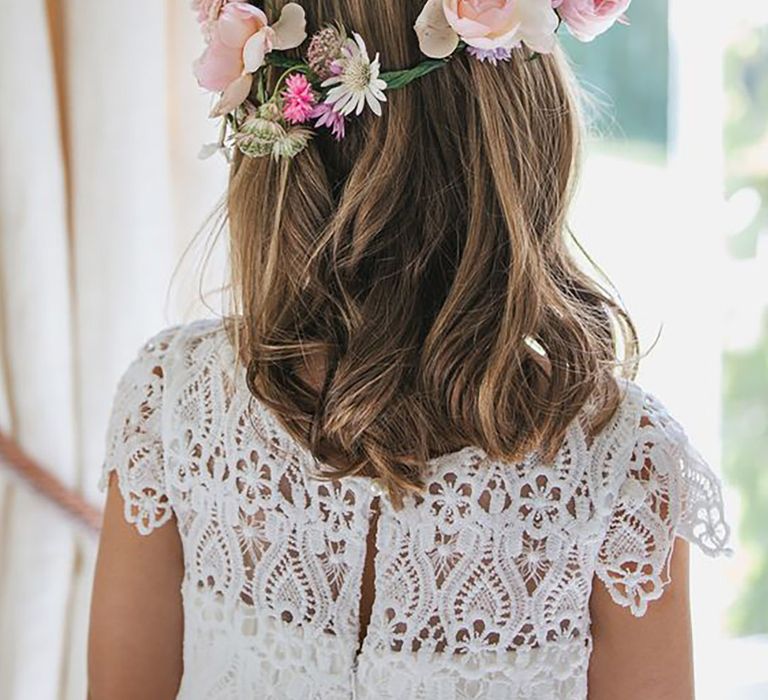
(356, 80)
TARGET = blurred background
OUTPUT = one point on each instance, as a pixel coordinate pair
(101, 193)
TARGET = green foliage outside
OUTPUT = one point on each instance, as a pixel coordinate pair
(746, 372)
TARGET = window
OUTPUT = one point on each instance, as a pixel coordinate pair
(674, 207)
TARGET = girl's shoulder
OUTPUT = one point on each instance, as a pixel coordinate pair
(642, 421)
(659, 487)
(177, 338)
(136, 431)
(182, 350)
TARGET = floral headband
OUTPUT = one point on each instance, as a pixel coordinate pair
(338, 79)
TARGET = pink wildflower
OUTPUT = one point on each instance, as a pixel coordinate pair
(298, 99)
(327, 116)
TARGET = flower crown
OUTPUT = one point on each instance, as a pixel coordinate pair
(338, 79)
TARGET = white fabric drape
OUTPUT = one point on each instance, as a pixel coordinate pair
(100, 192)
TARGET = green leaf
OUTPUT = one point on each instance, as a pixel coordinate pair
(400, 78)
(282, 61)
(293, 65)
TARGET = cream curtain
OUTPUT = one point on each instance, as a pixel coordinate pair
(100, 192)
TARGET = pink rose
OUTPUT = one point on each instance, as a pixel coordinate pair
(222, 63)
(208, 10)
(240, 40)
(486, 25)
(587, 19)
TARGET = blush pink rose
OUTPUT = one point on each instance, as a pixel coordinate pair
(239, 42)
(222, 63)
(486, 24)
(208, 10)
(587, 19)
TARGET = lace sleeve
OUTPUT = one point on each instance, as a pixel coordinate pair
(134, 444)
(668, 491)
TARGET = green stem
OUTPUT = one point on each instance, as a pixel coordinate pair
(281, 80)
(261, 93)
(223, 132)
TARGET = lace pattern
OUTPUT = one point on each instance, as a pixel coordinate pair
(134, 438)
(249, 654)
(555, 671)
(668, 490)
(482, 581)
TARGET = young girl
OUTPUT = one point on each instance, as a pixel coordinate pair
(412, 462)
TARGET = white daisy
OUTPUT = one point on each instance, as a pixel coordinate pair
(356, 80)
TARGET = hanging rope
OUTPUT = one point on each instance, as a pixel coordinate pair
(45, 484)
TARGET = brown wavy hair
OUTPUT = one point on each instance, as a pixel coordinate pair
(420, 271)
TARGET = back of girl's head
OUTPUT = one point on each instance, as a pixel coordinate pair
(423, 260)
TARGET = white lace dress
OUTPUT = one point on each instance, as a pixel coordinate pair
(482, 583)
